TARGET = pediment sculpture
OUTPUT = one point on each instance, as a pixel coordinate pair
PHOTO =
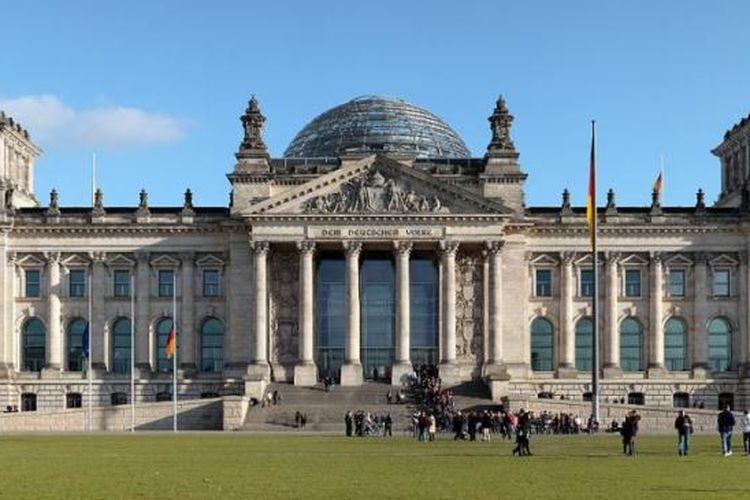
(373, 193)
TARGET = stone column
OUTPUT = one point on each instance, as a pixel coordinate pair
(142, 315)
(700, 306)
(495, 367)
(305, 372)
(260, 368)
(100, 340)
(656, 311)
(744, 321)
(612, 363)
(54, 327)
(567, 365)
(6, 299)
(187, 338)
(403, 313)
(449, 371)
(351, 370)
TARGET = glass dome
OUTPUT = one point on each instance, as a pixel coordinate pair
(377, 124)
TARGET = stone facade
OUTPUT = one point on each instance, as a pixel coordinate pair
(512, 281)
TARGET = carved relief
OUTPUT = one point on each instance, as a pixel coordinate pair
(469, 275)
(284, 291)
(372, 192)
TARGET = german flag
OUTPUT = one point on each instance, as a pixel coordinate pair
(169, 348)
(591, 196)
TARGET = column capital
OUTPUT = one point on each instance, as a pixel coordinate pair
(260, 247)
(494, 247)
(402, 247)
(187, 256)
(52, 257)
(701, 257)
(612, 258)
(448, 247)
(656, 257)
(352, 248)
(142, 256)
(567, 258)
(306, 246)
(742, 256)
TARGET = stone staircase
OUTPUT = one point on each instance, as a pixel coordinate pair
(325, 410)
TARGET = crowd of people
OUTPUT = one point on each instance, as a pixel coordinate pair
(366, 424)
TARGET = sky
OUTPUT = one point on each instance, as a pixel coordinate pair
(155, 88)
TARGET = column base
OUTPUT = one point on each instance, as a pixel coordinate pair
(51, 371)
(255, 389)
(518, 370)
(499, 390)
(235, 370)
(566, 371)
(743, 370)
(306, 374)
(611, 371)
(258, 371)
(7, 370)
(449, 373)
(495, 371)
(351, 374)
(656, 372)
(700, 371)
(401, 373)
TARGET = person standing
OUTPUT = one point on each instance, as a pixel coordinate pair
(745, 424)
(684, 425)
(348, 421)
(432, 427)
(725, 423)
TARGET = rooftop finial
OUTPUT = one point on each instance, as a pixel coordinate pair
(188, 204)
(252, 122)
(566, 209)
(500, 123)
(98, 199)
(700, 200)
(143, 199)
(53, 202)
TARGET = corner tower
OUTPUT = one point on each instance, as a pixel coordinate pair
(17, 154)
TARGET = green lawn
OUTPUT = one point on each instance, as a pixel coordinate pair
(235, 465)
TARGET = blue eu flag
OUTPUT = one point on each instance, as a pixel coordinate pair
(85, 342)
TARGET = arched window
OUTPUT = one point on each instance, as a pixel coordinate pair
(212, 345)
(681, 400)
(675, 345)
(719, 345)
(33, 341)
(584, 343)
(121, 345)
(541, 345)
(631, 345)
(163, 363)
(76, 329)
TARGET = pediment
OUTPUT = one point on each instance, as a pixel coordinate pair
(544, 260)
(634, 260)
(120, 260)
(678, 260)
(209, 261)
(30, 260)
(723, 260)
(165, 260)
(75, 260)
(377, 185)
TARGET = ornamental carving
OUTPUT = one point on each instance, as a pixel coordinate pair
(284, 291)
(469, 299)
(371, 192)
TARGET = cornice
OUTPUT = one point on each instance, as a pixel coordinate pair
(437, 219)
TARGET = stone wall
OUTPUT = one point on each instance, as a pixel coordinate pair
(653, 419)
(203, 414)
(234, 412)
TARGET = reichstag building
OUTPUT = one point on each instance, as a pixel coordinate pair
(375, 243)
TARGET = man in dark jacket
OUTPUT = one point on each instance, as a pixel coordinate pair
(684, 426)
(725, 423)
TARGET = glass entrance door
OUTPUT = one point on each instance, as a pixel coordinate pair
(378, 315)
(330, 318)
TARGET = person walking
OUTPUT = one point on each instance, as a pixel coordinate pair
(725, 423)
(684, 425)
(745, 424)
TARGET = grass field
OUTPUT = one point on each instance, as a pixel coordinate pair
(229, 466)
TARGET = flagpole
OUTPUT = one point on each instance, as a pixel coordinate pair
(174, 354)
(661, 173)
(93, 178)
(595, 297)
(88, 374)
(132, 353)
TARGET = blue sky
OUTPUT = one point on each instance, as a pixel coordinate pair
(155, 88)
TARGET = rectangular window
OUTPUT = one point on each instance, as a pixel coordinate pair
(632, 283)
(587, 283)
(166, 283)
(721, 283)
(676, 283)
(210, 283)
(122, 283)
(77, 283)
(543, 283)
(32, 283)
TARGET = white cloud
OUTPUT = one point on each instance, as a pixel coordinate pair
(53, 123)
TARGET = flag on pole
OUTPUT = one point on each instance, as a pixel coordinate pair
(591, 196)
(169, 348)
(658, 183)
(85, 342)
